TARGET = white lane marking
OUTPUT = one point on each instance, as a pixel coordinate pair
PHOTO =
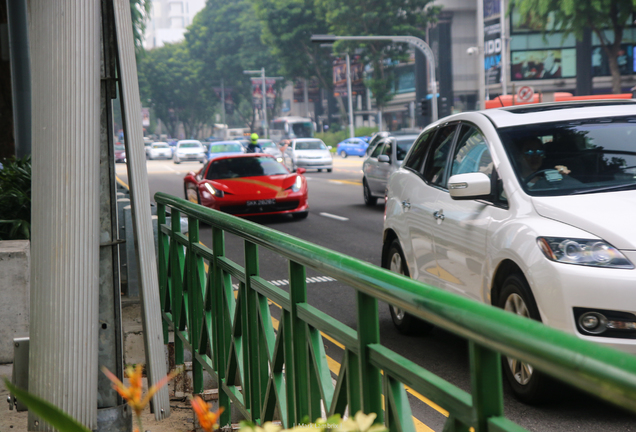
(332, 216)
(335, 182)
(282, 282)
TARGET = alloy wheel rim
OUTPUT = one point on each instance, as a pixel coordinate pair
(521, 371)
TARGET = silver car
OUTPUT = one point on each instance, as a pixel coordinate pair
(309, 153)
(382, 161)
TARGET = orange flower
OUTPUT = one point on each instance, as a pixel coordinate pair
(132, 393)
(207, 418)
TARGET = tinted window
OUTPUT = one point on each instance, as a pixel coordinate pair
(471, 153)
(310, 145)
(376, 151)
(437, 160)
(416, 158)
(575, 157)
(244, 167)
(403, 147)
(189, 145)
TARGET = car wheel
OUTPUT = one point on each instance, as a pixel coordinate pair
(369, 199)
(528, 384)
(405, 323)
(319, 170)
(300, 215)
(328, 169)
(343, 154)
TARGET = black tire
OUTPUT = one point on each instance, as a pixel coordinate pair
(343, 154)
(300, 215)
(369, 199)
(328, 169)
(319, 170)
(528, 384)
(405, 323)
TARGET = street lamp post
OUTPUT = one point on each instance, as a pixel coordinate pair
(262, 72)
(417, 42)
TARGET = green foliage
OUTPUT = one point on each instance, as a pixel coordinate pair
(15, 199)
(359, 423)
(226, 38)
(333, 138)
(47, 411)
(571, 17)
(171, 81)
(378, 18)
(139, 10)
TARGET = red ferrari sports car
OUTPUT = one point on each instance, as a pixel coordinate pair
(248, 185)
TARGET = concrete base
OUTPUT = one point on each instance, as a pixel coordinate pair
(15, 283)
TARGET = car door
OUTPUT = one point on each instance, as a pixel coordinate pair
(383, 168)
(461, 228)
(370, 167)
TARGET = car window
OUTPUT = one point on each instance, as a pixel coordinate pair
(402, 147)
(435, 171)
(471, 153)
(416, 158)
(189, 145)
(388, 148)
(310, 145)
(377, 150)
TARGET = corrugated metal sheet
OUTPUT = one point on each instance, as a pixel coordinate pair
(140, 201)
(65, 48)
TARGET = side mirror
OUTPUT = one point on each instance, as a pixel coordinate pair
(384, 158)
(301, 170)
(469, 186)
(329, 147)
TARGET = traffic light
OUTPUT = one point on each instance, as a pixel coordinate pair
(424, 107)
(443, 107)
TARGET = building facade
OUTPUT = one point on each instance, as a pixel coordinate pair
(169, 20)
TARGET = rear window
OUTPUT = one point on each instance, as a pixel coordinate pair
(403, 147)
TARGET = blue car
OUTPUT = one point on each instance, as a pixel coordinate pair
(224, 148)
(352, 147)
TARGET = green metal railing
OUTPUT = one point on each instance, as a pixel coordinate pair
(283, 374)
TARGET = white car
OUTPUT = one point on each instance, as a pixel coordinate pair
(309, 153)
(383, 159)
(528, 208)
(159, 150)
(189, 150)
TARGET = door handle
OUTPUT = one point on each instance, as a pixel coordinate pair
(439, 215)
(406, 204)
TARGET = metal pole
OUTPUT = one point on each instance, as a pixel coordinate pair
(351, 131)
(265, 128)
(417, 42)
(20, 75)
(306, 97)
(504, 52)
(63, 358)
(481, 72)
(223, 102)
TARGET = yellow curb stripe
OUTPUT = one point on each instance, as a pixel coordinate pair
(356, 183)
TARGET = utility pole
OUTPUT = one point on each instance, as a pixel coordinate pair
(263, 89)
(351, 129)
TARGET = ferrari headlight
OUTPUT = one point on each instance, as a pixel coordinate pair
(279, 159)
(586, 252)
(213, 191)
(297, 184)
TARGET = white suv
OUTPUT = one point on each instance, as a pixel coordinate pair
(528, 208)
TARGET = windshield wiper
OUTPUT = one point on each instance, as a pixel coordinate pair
(606, 189)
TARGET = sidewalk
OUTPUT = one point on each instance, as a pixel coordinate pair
(181, 416)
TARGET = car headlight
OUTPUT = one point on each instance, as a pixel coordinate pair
(586, 252)
(213, 191)
(297, 184)
(280, 159)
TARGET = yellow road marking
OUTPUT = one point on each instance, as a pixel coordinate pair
(357, 183)
(121, 182)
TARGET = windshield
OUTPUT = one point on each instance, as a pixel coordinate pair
(119, 147)
(573, 157)
(302, 130)
(266, 144)
(226, 148)
(160, 146)
(189, 145)
(244, 167)
(403, 147)
(310, 145)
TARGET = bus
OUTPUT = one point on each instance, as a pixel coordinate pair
(290, 128)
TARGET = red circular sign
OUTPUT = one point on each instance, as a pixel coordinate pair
(525, 94)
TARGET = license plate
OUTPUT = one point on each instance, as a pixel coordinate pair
(260, 202)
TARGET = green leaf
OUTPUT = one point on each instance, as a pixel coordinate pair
(47, 411)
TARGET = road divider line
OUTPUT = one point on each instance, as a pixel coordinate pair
(333, 216)
(351, 182)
